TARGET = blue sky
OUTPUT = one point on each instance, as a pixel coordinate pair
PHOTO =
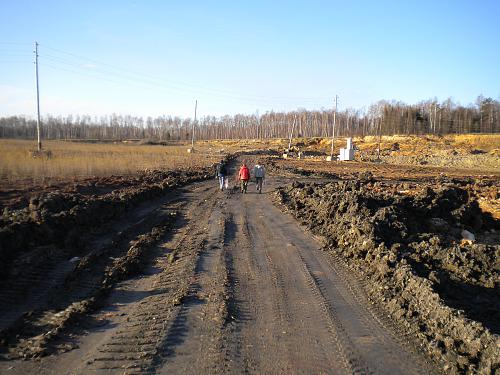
(157, 57)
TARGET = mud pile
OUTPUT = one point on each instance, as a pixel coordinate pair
(58, 218)
(419, 249)
(28, 338)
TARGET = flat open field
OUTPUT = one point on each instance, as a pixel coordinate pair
(87, 167)
(128, 259)
(88, 159)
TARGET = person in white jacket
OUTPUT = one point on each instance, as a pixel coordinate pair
(259, 173)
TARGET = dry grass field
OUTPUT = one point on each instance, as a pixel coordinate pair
(82, 159)
(75, 160)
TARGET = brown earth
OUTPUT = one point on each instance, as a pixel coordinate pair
(169, 275)
(411, 248)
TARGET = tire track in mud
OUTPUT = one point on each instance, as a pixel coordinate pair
(68, 290)
(158, 323)
(252, 299)
(368, 344)
(332, 362)
(280, 332)
(385, 327)
(315, 358)
(363, 343)
(194, 344)
(139, 311)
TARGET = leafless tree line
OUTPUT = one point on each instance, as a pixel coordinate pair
(427, 117)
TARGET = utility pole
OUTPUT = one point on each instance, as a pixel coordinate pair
(194, 122)
(37, 100)
(291, 133)
(379, 137)
(333, 127)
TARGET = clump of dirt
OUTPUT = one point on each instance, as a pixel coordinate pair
(423, 251)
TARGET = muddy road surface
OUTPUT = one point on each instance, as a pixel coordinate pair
(207, 282)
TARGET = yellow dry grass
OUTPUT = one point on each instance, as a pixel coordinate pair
(83, 159)
(79, 159)
(486, 142)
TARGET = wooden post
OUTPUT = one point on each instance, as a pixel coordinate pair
(37, 101)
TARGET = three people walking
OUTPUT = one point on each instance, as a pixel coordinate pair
(258, 171)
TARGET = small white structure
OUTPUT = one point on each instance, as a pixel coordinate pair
(347, 153)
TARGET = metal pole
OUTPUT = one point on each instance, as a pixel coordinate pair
(194, 122)
(37, 100)
(333, 127)
(291, 133)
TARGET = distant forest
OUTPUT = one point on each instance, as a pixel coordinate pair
(387, 118)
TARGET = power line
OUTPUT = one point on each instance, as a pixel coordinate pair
(102, 75)
(14, 61)
(142, 85)
(74, 64)
(188, 85)
(16, 43)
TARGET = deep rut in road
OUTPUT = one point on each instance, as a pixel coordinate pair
(236, 286)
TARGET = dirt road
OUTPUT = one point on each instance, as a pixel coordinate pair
(236, 286)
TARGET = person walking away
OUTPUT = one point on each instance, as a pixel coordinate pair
(244, 176)
(222, 173)
(259, 173)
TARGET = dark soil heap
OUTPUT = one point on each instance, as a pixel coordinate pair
(411, 246)
(58, 218)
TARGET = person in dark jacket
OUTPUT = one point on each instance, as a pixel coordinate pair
(222, 172)
(244, 176)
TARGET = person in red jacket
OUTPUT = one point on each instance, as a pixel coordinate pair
(244, 176)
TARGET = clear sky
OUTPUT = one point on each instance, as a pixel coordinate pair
(157, 57)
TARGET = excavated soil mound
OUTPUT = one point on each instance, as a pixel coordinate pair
(57, 218)
(428, 254)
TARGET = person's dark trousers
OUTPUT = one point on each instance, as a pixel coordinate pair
(244, 185)
(259, 183)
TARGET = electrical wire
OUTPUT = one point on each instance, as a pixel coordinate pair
(102, 71)
(150, 86)
(197, 88)
(104, 75)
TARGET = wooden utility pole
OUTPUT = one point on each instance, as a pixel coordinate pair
(379, 137)
(194, 122)
(291, 133)
(333, 127)
(37, 100)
